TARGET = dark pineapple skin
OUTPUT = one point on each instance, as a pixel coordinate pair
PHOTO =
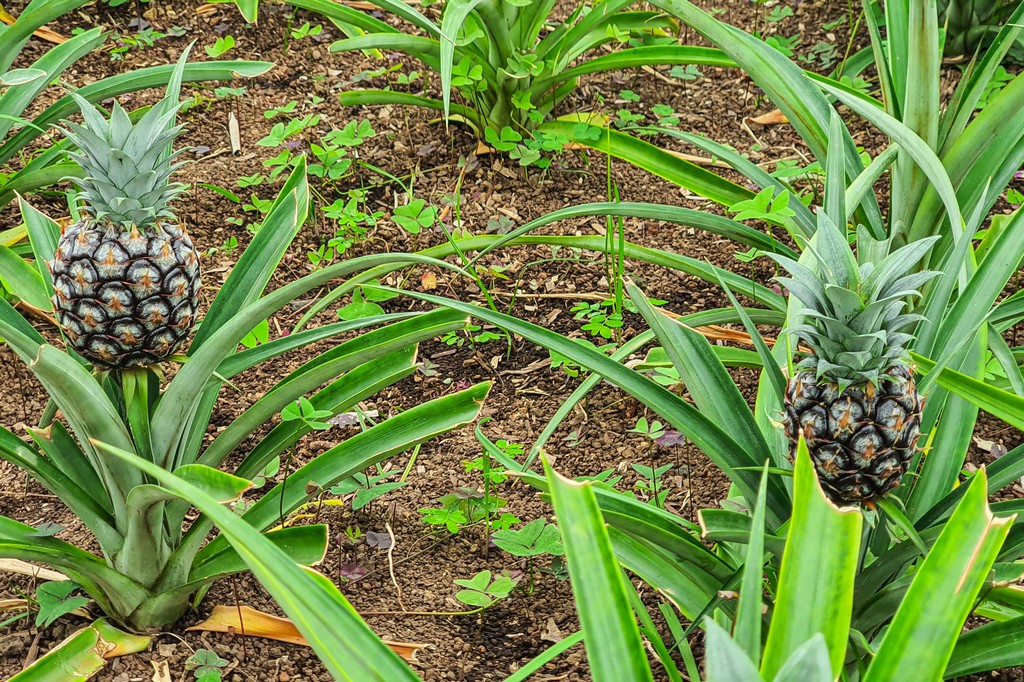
(126, 299)
(862, 439)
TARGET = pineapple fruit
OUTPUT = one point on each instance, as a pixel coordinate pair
(853, 397)
(126, 276)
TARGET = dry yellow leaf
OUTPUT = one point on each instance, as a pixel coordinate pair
(259, 624)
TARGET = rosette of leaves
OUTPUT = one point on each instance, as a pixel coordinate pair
(114, 421)
(510, 62)
(20, 87)
(972, 24)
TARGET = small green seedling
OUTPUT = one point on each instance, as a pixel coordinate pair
(366, 488)
(648, 483)
(222, 45)
(415, 216)
(481, 591)
(653, 430)
(765, 206)
(206, 665)
(306, 31)
(449, 516)
(54, 600)
(535, 538)
(259, 335)
(304, 411)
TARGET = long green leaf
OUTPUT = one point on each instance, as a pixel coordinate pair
(22, 280)
(645, 155)
(336, 10)
(748, 612)
(14, 101)
(610, 632)
(257, 263)
(918, 150)
(43, 234)
(34, 16)
(340, 359)
(84, 504)
(342, 640)
(999, 403)
(141, 79)
(920, 640)
(815, 592)
(388, 438)
(708, 382)
(726, 660)
(83, 654)
(992, 646)
(718, 445)
(354, 98)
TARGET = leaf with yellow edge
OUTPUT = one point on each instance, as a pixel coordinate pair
(83, 654)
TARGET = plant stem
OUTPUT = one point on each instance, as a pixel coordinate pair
(284, 483)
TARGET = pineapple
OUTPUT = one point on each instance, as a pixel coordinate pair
(126, 276)
(853, 396)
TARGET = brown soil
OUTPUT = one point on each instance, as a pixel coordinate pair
(525, 392)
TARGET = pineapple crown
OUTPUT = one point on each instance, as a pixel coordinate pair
(853, 315)
(128, 166)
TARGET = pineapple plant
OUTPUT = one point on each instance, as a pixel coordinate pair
(970, 24)
(126, 276)
(853, 397)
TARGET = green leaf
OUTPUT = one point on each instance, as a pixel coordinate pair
(611, 635)
(361, 97)
(650, 158)
(141, 79)
(536, 537)
(249, 9)
(55, 600)
(55, 61)
(999, 403)
(386, 439)
(306, 545)
(713, 440)
(257, 263)
(815, 592)
(921, 637)
(22, 280)
(809, 663)
(709, 384)
(748, 611)
(359, 307)
(993, 646)
(726, 660)
(76, 659)
(342, 640)
(918, 150)
(43, 234)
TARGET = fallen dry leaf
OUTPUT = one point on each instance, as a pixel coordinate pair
(770, 119)
(429, 281)
(483, 150)
(552, 633)
(161, 672)
(259, 624)
(25, 568)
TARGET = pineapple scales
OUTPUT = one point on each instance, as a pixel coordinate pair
(853, 397)
(126, 276)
